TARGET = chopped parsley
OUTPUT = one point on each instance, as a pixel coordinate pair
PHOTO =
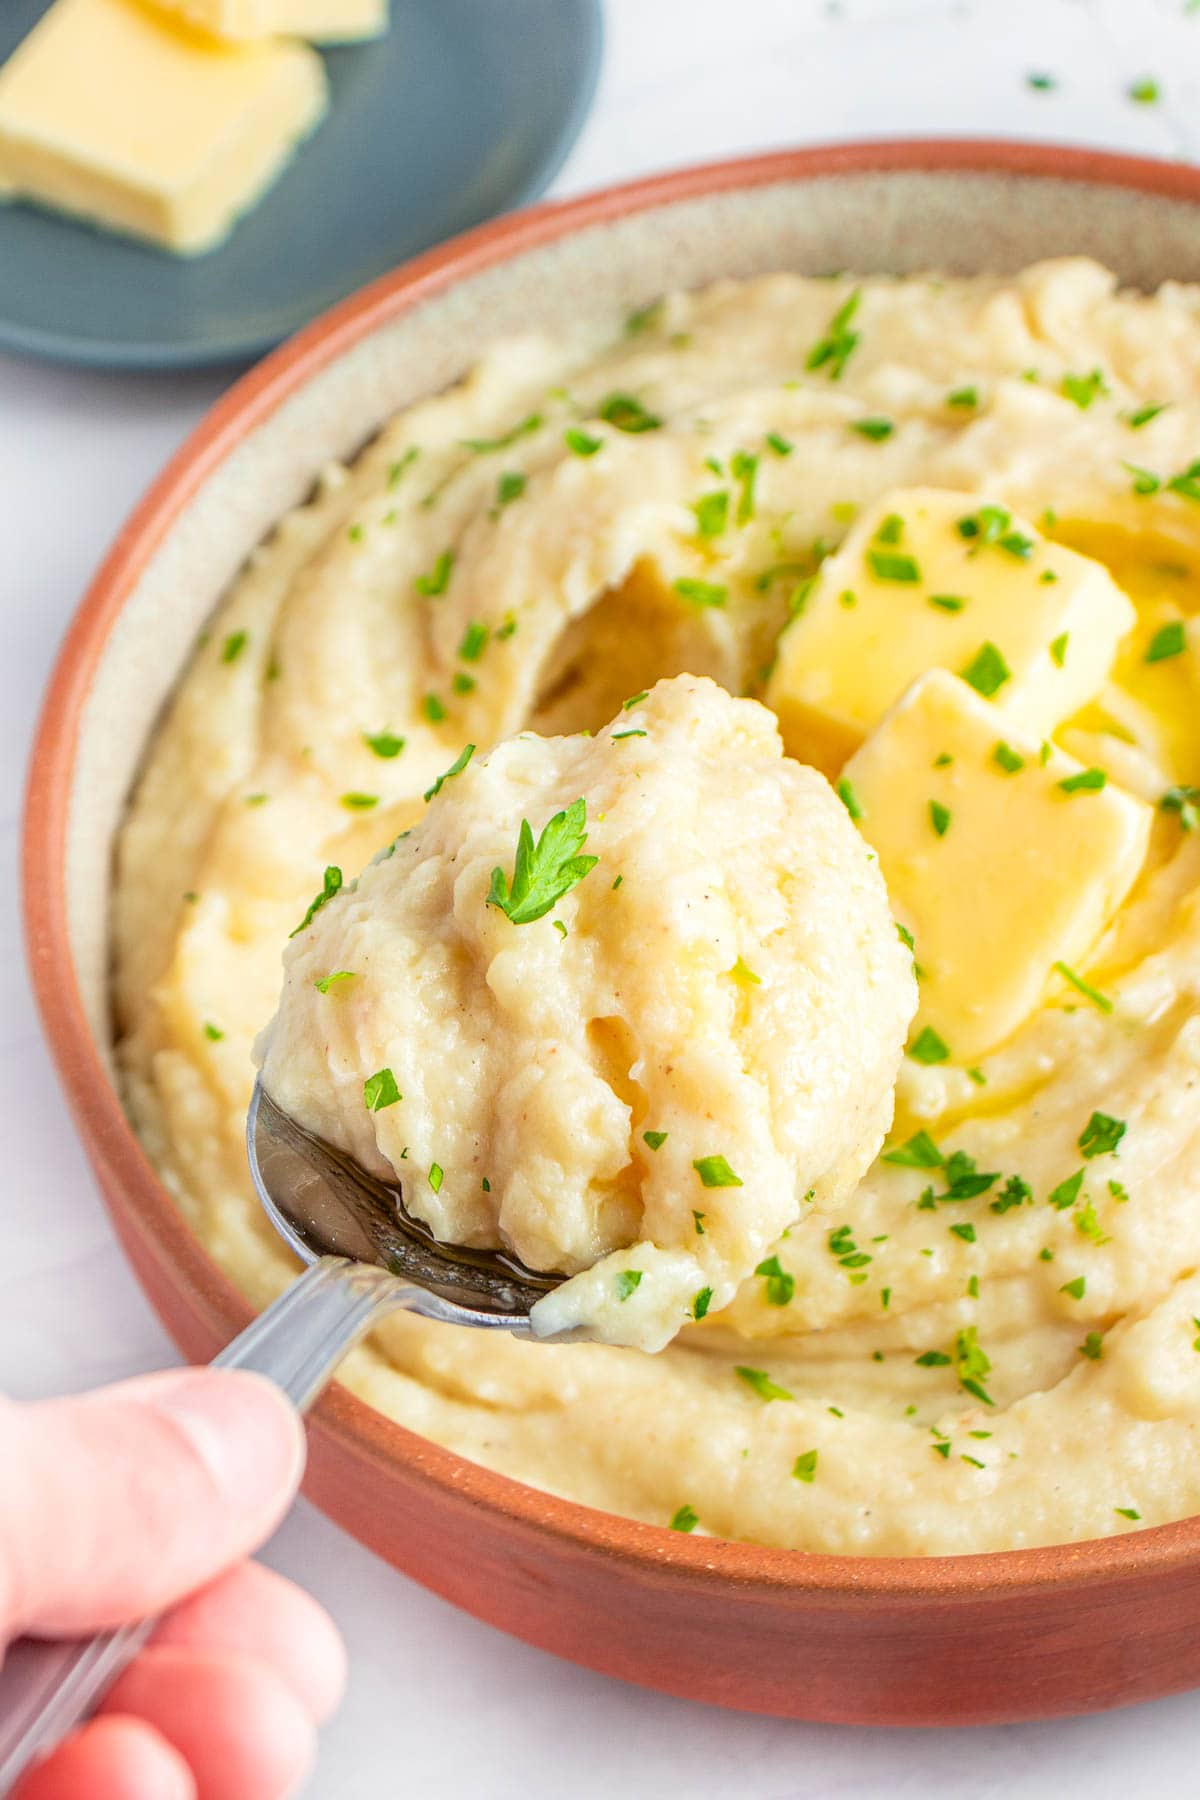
(1145, 481)
(939, 817)
(436, 1176)
(213, 1033)
(701, 593)
(1168, 640)
(233, 646)
(1067, 1192)
(327, 981)
(932, 1359)
(1144, 92)
(760, 1382)
(712, 513)
(456, 768)
(951, 603)
(581, 443)
(484, 446)
(1144, 414)
(654, 1139)
(965, 1232)
(1076, 1288)
(685, 1518)
(628, 1282)
(965, 397)
(510, 487)
(891, 530)
(1186, 802)
(1101, 1135)
(987, 671)
(971, 1365)
(1127, 1512)
(433, 709)
(928, 1047)
(645, 318)
(1083, 389)
(330, 886)
(833, 351)
(919, 1152)
(635, 700)
(715, 1172)
(1041, 83)
(780, 1285)
(1088, 781)
(743, 466)
(546, 870)
(780, 445)
(805, 1466)
(701, 1302)
(437, 580)
(396, 470)
(634, 731)
(1015, 1192)
(355, 802)
(876, 430)
(627, 413)
(1058, 648)
(380, 1090)
(1082, 987)
(887, 565)
(698, 1219)
(383, 743)
(1010, 760)
(849, 798)
(1187, 483)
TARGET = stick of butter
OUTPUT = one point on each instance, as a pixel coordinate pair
(1003, 857)
(321, 21)
(110, 112)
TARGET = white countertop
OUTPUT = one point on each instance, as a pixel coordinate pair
(440, 1705)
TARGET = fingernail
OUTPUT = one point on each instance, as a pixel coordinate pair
(244, 1431)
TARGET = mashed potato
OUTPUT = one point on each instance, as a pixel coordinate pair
(992, 1341)
(650, 1063)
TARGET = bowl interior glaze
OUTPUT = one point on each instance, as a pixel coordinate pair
(534, 1564)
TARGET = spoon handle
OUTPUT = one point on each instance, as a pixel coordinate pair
(46, 1686)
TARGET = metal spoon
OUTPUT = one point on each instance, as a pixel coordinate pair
(366, 1257)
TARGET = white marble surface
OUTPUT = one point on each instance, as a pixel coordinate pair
(438, 1704)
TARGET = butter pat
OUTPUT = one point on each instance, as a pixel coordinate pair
(933, 579)
(322, 21)
(995, 868)
(110, 112)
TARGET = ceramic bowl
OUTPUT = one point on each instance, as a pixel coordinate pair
(1025, 1634)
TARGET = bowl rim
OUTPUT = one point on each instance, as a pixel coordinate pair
(117, 1155)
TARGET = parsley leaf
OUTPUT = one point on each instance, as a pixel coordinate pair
(546, 870)
(685, 1518)
(834, 350)
(331, 885)
(383, 743)
(929, 1047)
(1101, 1135)
(456, 768)
(715, 1172)
(437, 580)
(805, 1466)
(627, 413)
(987, 671)
(380, 1090)
(628, 1282)
(1168, 640)
(761, 1383)
(780, 1284)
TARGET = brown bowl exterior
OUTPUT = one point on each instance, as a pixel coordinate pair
(904, 1641)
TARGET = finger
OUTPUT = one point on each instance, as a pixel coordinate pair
(238, 1725)
(113, 1758)
(114, 1504)
(254, 1611)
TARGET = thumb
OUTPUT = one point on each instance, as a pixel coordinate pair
(115, 1504)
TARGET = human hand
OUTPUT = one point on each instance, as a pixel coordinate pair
(116, 1505)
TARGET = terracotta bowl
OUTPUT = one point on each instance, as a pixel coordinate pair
(1025, 1634)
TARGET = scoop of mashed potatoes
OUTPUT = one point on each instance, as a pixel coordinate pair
(628, 1005)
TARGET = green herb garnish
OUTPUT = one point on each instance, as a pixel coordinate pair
(546, 870)
(380, 1090)
(715, 1172)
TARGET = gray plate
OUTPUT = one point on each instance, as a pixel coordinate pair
(465, 109)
